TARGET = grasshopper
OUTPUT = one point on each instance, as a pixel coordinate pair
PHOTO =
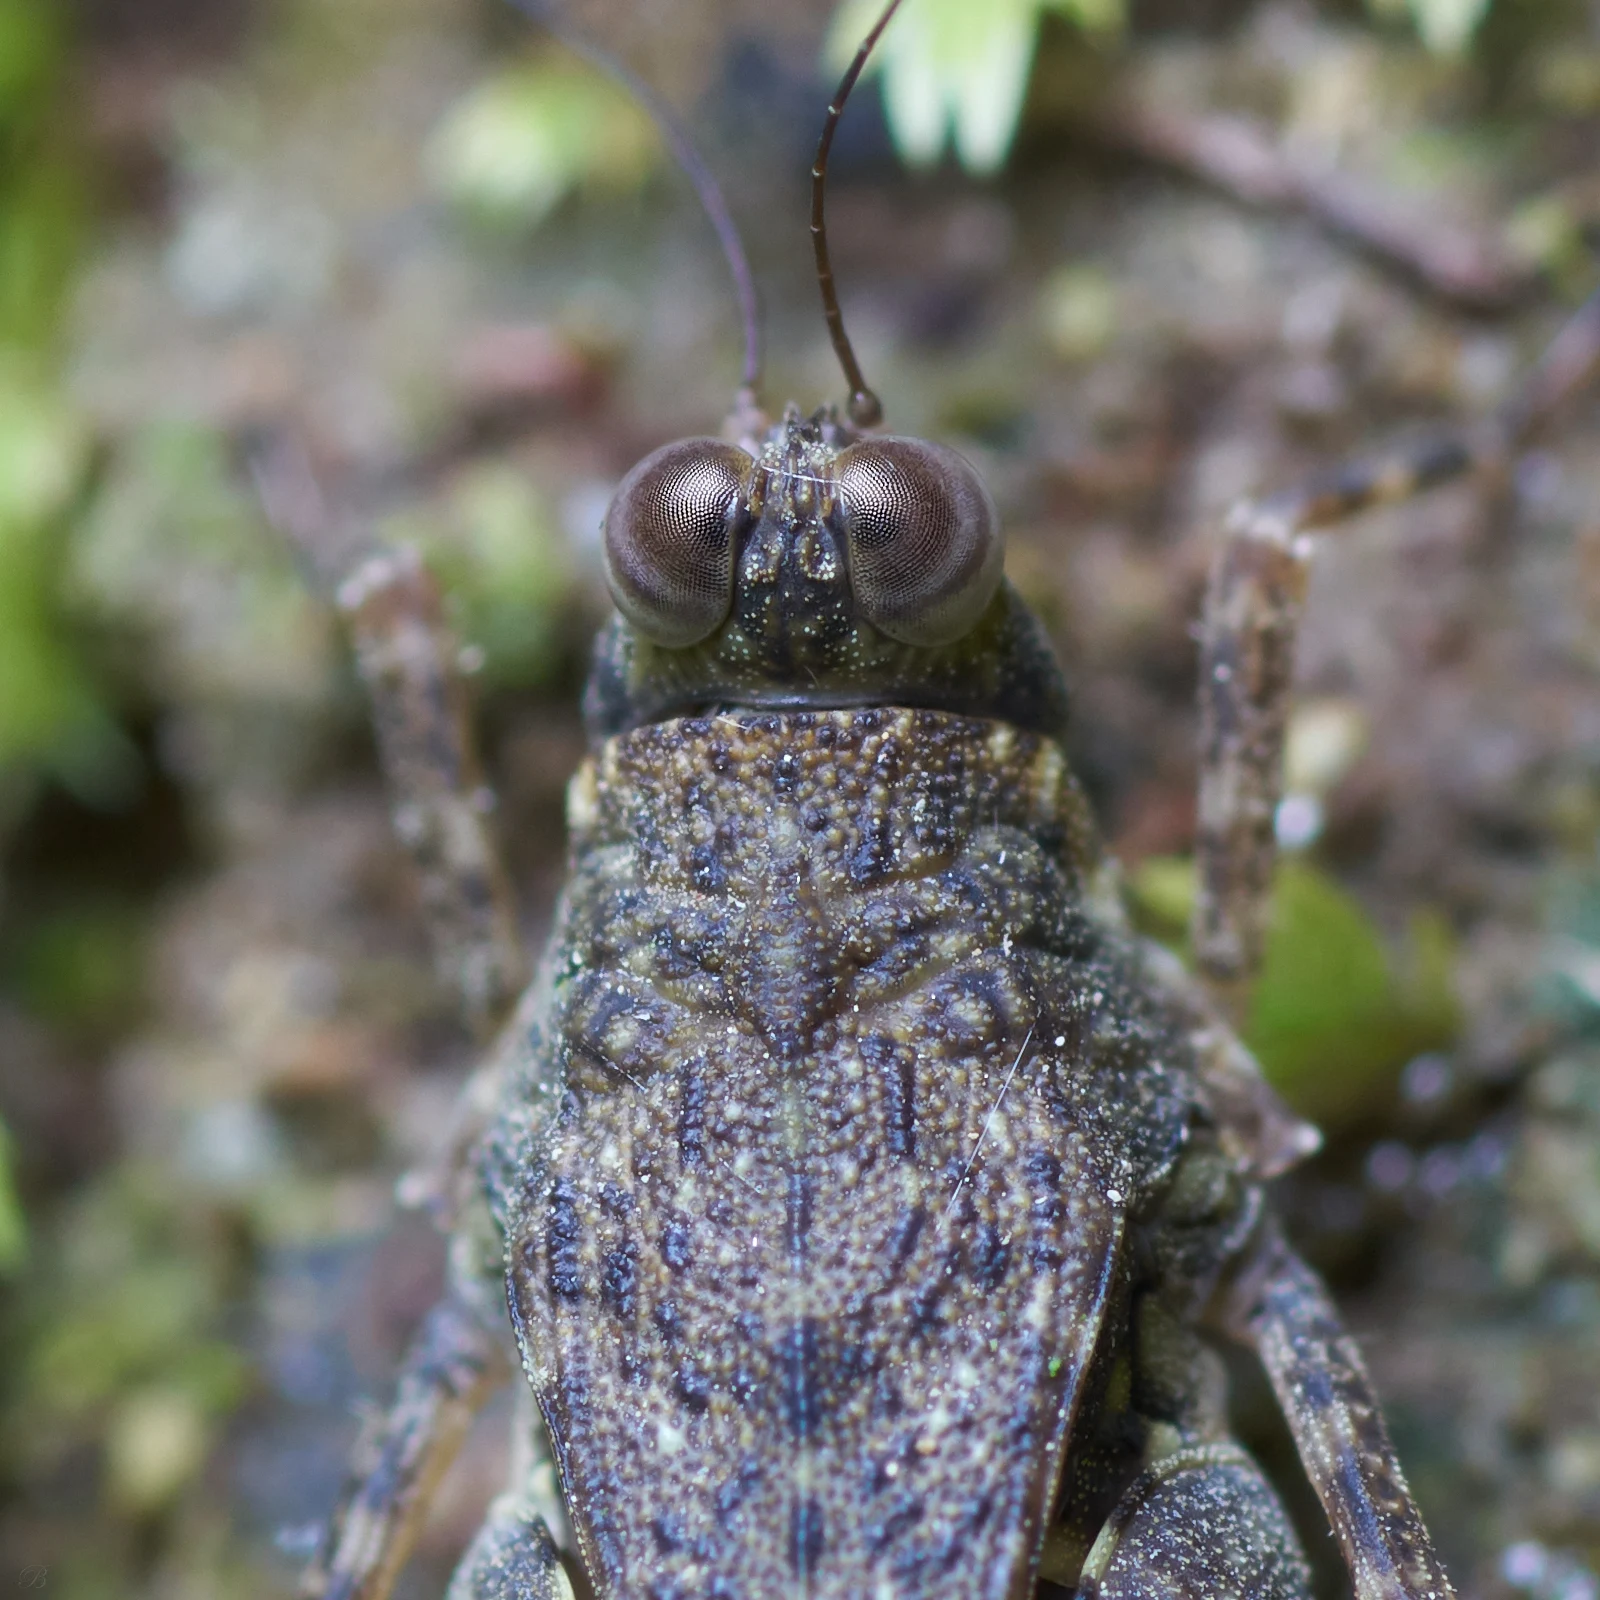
(867, 1196)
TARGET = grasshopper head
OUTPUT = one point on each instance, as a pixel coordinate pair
(817, 566)
(822, 567)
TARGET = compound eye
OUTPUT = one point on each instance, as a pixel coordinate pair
(925, 546)
(669, 539)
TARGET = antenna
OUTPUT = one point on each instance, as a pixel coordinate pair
(866, 410)
(694, 168)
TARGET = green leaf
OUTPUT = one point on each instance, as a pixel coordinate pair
(31, 47)
(504, 563)
(957, 73)
(1446, 27)
(48, 715)
(44, 451)
(525, 139)
(47, 711)
(41, 227)
(41, 183)
(13, 1229)
(1336, 1014)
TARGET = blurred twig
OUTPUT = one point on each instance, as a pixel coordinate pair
(1239, 155)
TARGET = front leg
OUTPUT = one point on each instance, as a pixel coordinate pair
(1200, 1522)
(516, 1554)
(454, 1364)
(462, 1354)
(512, 1558)
(411, 664)
(1279, 1305)
(421, 711)
(1247, 644)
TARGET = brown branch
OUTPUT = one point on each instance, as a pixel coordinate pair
(1239, 155)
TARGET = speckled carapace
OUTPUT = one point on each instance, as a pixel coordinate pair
(854, 1102)
(864, 1181)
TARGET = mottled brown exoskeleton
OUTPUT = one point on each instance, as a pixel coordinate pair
(869, 1198)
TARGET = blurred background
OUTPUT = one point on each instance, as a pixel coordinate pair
(1135, 262)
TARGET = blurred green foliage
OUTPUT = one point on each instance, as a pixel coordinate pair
(13, 1231)
(535, 133)
(125, 1343)
(174, 557)
(1445, 26)
(80, 968)
(955, 72)
(1336, 1014)
(1571, 989)
(42, 194)
(507, 568)
(48, 714)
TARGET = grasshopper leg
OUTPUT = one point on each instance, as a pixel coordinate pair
(454, 1364)
(1247, 641)
(513, 1557)
(1202, 1521)
(516, 1554)
(410, 663)
(421, 710)
(461, 1356)
(1279, 1306)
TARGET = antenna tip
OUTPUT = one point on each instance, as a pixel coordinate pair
(866, 409)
